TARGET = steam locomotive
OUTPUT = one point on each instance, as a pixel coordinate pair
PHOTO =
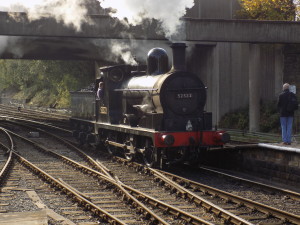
(156, 115)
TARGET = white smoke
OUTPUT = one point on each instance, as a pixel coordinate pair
(3, 43)
(124, 51)
(74, 12)
(9, 46)
(128, 51)
(168, 12)
(70, 12)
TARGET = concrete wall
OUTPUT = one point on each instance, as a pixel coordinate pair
(276, 165)
(271, 71)
(223, 68)
(238, 74)
(233, 73)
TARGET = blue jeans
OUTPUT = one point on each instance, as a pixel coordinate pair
(286, 128)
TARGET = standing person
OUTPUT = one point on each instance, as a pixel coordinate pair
(100, 91)
(286, 113)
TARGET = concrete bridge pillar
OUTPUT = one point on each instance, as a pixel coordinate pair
(254, 87)
(279, 66)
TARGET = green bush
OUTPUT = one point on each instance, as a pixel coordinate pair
(236, 120)
(239, 119)
(269, 118)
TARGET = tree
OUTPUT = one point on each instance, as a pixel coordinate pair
(268, 10)
(44, 83)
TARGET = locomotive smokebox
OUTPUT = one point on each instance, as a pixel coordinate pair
(178, 56)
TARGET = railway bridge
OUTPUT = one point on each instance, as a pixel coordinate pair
(242, 62)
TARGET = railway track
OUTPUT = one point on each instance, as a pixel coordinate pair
(74, 182)
(44, 117)
(6, 146)
(289, 211)
(32, 112)
(94, 193)
(177, 207)
(23, 191)
(195, 192)
(177, 199)
(251, 181)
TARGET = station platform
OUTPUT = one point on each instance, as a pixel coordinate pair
(294, 147)
(270, 160)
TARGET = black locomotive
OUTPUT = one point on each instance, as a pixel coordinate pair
(155, 115)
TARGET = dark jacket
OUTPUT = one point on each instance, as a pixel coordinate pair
(282, 104)
(100, 93)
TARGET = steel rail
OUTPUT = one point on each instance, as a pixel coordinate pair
(9, 160)
(45, 114)
(191, 219)
(126, 195)
(139, 195)
(271, 211)
(96, 164)
(209, 206)
(109, 177)
(11, 147)
(6, 166)
(20, 119)
(186, 194)
(290, 193)
(157, 203)
(34, 117)
(104, 215)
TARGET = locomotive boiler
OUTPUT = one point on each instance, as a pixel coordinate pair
(153, 113)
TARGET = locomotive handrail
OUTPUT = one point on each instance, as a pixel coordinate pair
(186, 89)
(127, 89)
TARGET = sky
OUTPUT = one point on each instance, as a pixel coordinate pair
(8, 3)
(61, 10)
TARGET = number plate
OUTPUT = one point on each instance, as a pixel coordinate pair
(184, 96)
(103, 110)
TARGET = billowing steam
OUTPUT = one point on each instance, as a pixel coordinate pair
(3, 44)
(70, 12)
(168, 12)
(123, 50)
(10, 46)
(74, 13)
(128, 51)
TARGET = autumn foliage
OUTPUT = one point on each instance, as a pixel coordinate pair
(268, 10)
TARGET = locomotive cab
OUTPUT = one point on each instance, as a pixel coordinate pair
(109, 110)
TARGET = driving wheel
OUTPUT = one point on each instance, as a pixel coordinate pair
(149, 153)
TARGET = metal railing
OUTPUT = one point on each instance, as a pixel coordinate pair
(258, 137)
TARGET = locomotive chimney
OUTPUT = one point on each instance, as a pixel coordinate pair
(178, 56)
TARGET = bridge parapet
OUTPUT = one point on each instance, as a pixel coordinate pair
(106, 27)
(100, 26)
(248, 31)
